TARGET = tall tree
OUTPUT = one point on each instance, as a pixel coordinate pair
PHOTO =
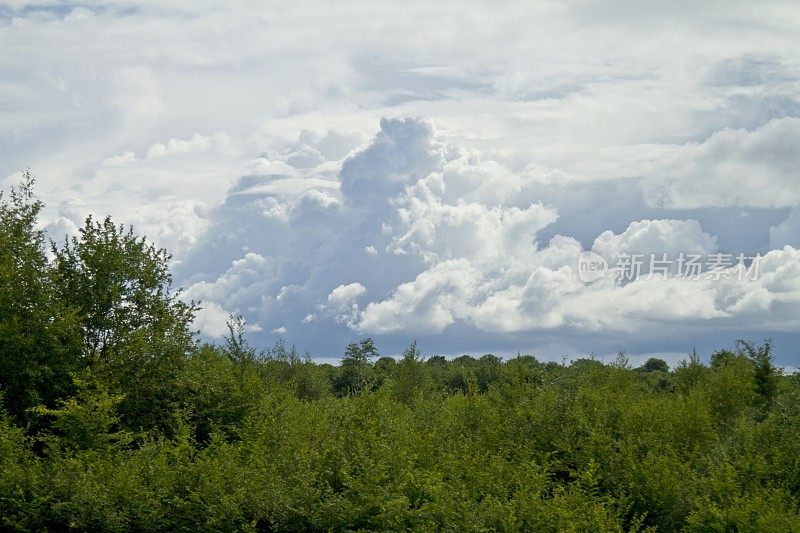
(412, 377)
(355, 373)
(135, 328)
(39, 346)
(766, 373)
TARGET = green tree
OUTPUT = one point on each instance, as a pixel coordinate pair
(121, 286)
(355, 373)
(19, 473)
(237, 348)
(690, 373)
(731, 386)
(360, 353)
(87, 420)
(384, 368)
(766, 373)
(217, 393)
(722, 357)
(461, 374)
(39, 344)
(488, 370)
(436, 360)
(522, 369)
(655, 364)
(135, 328)
(412, 378)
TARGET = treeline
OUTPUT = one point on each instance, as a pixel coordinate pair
(115, 418)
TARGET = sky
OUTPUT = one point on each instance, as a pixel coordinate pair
(429, 170)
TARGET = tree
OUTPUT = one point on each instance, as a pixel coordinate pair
(121, 286)
(384, 369)
(360, 353)
(87, 420)
(488, 370)
(721, 358)
(412, 377)
(355, 373)
(731, 386)
(135, 328)
(237, 348)
(655, 364)
(766, 374)
(39, 346)
(522, 369)
(436, 360)
(461, 374)
(690, 373)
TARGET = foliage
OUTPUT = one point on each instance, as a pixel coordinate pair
(135, 329)
(39, 344)
(655, 364)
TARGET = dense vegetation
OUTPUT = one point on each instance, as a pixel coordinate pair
(115, 417)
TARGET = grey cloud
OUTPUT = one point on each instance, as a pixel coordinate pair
(403, 151)
(732, 167)
(454, 243)
(751, 70)
(787, 232)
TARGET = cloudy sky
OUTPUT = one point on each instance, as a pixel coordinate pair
(428, 170)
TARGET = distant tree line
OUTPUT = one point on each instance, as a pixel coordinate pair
(115, 417)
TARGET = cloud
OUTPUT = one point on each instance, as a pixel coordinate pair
(344, 295)
(733, 167)
(787, 232)
(197, 144)
(121, 159)
(403, 151)
(279, 165)
(670, 237)
(445, 251)
(136, 94)
(555, 299)
(212, 319)
(428, 304)
(486, 235)
(233, 291)
(342, 303)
